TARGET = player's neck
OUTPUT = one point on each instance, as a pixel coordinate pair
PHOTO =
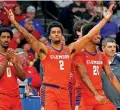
(91, 48)
(3, 50)
(57, 46)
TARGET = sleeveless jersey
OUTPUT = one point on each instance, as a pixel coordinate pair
(94, 64)
(8, 82)
(57, 67)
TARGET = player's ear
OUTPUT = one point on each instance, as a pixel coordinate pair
(103, 48)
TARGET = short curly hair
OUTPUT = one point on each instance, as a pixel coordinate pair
(54, 24)
(5, 29)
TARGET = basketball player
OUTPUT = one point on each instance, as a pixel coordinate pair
(10, 70)
(90, 62)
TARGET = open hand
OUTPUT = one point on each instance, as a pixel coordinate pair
(10, 14)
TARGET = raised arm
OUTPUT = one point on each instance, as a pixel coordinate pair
(80, 44)
(112, 78)
(36, 45)
(84, 75)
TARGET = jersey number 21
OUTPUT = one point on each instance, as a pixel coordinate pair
(95, 70)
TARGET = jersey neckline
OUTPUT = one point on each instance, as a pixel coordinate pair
(57, 49)
(93, 54)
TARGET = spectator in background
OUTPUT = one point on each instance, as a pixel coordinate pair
(64, 13)
(49, 7)
(77, 8)
(116, 13)
(31, 57)
(109, 48)
(90, 14)
(99, 8)
(44, 40)
(17, 9)
(10, 3)
(118, 3)
(15, 41)
(29, 26)
(3, 16)
(18, 39)
(109, 29)
(77, 28)
(30, 71)
(36, 22)
(85, 1)
(63, 3)
(73, 11)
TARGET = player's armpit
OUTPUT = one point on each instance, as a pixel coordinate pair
(113, 79)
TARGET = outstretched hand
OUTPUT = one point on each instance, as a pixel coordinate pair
(10, 14)
(108, 13)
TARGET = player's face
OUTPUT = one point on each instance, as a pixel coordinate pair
(5, 39)
(56, 35)
(96, 39)
(110, 49)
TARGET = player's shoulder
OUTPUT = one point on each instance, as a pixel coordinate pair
(101, 53)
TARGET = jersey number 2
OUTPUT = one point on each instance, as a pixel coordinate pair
(8, 70)
(95, 70)
(61, 62)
